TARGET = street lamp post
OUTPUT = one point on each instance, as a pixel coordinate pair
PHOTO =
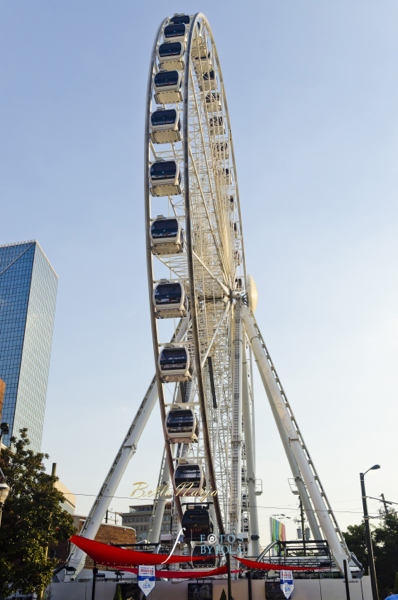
(369, 545)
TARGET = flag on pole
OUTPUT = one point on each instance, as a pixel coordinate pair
(287, 583)
(146, 578)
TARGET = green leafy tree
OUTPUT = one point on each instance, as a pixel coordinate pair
(33, 519)
(385, 549)
(386, 552)
(356, 541)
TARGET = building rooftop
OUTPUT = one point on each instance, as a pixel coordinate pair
(30, 242)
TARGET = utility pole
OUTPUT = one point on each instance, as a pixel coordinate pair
(385, 504)
(372, 568)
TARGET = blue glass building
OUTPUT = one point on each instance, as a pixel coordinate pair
(28, 290)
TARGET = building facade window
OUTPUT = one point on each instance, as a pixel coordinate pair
(28, 289)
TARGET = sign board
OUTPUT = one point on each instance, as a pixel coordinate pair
(278, 532)
(287, 584)
(273, 590)
(146, 578)
(200, 591)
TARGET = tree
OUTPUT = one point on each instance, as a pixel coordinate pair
(385, 549)
(386, 552)
(356, 541)
(223, 596)
(33, 518)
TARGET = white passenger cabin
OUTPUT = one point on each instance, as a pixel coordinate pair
(182, 425)
(176, 19)
(227, 176)
(167, 86)
(189, 476)
(217, 126)
(202, 64)
(221, 150)
(165, 126)
(237, 258)
(176, 33)
(199, 48)
(169, 300)
(212, 102)
(165, 178)
(166, 236)
(207, 81)
(171, 56)
(174, 363)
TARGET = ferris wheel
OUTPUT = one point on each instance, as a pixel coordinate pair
(196, 263)
(202, 303)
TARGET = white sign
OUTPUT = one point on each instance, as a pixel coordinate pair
(146, 578)
(287, 584)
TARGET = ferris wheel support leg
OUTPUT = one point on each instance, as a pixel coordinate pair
(251, 474)
(160, 505)
(303, 493)
(126, 452)
(276, 400)
(236, 438)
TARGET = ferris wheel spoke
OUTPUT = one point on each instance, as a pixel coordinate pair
(227, 308)
(209, 175)
(168, 265)
(220, 283)
(216, 244)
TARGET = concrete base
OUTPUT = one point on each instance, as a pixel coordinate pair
(304, 589)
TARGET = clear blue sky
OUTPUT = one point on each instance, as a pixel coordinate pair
(312, 90)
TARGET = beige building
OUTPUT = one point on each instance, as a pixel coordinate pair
(69, 503)
(140, 516)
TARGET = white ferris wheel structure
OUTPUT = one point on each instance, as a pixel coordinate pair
(202, 301)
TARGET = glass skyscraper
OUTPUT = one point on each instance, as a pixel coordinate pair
(28, 290)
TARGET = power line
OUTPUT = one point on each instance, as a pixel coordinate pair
(142, 499)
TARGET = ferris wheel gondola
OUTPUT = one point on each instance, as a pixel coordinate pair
(165, 126)
(197, 522)
(171, 56)
(167, 85)
(182, 425)
(176, 33)
(178, 19)
(165, 178)
(170, 300)
(175, 364)
(166, 236)
(190, 477)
